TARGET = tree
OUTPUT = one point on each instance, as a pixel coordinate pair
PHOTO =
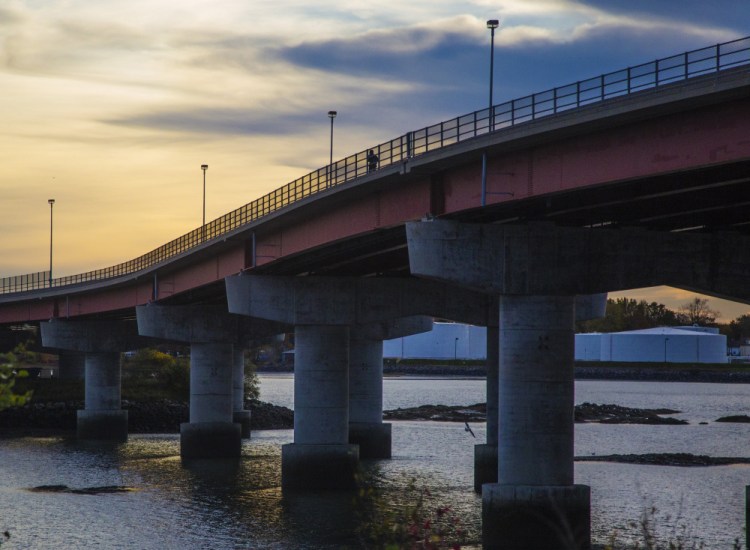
(697, 312)
(739, 329)
(628, 314)
(8, 375)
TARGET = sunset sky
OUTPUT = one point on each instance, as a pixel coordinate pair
(111, 106)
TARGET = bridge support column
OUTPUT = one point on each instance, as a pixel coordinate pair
(240, 415)
(101, 342)
(211, 332)
(366, 426)
(485, 455)
(102, 417)
(210, 432)
(535, 504)
(321, 456)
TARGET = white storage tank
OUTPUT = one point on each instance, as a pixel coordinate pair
(444, 341)
(662, 344)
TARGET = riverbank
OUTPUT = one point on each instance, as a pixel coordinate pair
(588, 370)
(157, 416)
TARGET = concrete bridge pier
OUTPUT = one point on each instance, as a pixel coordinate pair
(535, 503)
(321, 456)
(587, 306)
(485, 454)
(322, 309)
(366, 426)
(210, 433)
(102, 418)
(240, 415)
(210, 331)
(101, 342)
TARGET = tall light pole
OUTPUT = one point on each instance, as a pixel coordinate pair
(492, 24)
(204, 167)
(331, 115)
(51, 204)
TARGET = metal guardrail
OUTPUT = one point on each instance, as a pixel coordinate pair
(502, 116)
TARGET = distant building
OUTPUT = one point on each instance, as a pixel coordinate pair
(444, 341)
(658, 345)
(654, 345)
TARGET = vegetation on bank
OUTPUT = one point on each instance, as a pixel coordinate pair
(10, 396)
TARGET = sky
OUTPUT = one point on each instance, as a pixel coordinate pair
(110, 107)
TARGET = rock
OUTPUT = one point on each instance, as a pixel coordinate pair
(445, 413)
(667, 459)
(734, 418)
(616, 414)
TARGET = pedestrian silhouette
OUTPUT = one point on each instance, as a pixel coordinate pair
(372, 161)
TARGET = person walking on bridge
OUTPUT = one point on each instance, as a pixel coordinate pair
(372, 161)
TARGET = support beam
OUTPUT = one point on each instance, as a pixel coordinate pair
(544, 259)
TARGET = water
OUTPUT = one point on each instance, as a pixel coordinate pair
(239, 504)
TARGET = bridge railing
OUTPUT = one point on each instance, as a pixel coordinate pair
(500, 117)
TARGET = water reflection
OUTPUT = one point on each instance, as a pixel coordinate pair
(240, 504)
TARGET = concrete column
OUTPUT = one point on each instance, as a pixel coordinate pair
(100, 342)
(366, 426)
(102, 417)
(535, 504)
(320, 457)
(485, 455)
(211, 331)
(240, 415)
(210, 432)
(71, 365)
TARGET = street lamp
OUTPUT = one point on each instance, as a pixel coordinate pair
(51, 204)
(204, 167)
(455, 349)
(492, 24)
(331, 115)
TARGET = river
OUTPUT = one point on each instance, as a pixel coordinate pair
(239, 504)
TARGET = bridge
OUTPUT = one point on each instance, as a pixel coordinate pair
(519, 217)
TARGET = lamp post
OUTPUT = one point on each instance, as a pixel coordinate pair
(331, 115)
(665, 349)
(455, 349)
(204, 167)
(492, 24)
(51, 204)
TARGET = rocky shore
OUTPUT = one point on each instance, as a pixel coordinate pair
(166, 416)
(586, 412)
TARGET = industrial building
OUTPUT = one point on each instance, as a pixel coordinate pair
(662, 344)
(654, 345)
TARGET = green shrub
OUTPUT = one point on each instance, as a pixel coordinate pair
(8, 374)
